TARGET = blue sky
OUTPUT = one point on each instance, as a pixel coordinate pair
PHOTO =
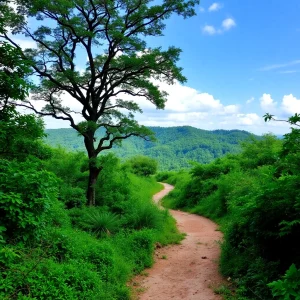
(241, 59)
(229, 64)
(255, 59)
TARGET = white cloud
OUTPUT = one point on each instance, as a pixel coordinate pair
(196, 102)
(202, 9)
(184, 99)
(24, 44)
(279, 66)
(187, 106)
(210, 30)
(228, 23)
(185, 118)
(250, 100)
(231, 109)
(248, 119)
(215, 6)
(290, 104)
(267, 103)
(288, 72)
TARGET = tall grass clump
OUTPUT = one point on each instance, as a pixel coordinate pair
(101, 223)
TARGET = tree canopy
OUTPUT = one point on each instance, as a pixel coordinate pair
(13, 72)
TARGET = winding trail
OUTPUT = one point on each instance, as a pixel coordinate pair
(187, 271)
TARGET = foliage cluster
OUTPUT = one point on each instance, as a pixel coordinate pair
(254, 195)
(142, 165)
(13, 71)
(21, 136)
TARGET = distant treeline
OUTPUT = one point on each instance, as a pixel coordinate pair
(174, 149)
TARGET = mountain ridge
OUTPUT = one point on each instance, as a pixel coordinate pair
(174, 149)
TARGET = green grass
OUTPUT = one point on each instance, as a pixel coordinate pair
(144, 187)
(102, 223)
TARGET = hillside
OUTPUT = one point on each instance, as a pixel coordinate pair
(174, 149)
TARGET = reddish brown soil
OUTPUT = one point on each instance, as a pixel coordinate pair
(187, 271)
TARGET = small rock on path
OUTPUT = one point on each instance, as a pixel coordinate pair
(187, 271)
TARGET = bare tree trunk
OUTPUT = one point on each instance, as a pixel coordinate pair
(93, 169)
(91, 189)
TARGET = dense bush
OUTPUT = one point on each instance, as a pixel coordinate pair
(142, 165)
(143, 215)
(113, 185)
(69, 168)
(26, 196)
(21, 136)
(71, 262)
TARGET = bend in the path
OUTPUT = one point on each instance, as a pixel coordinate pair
(187, 271)
(167, 189)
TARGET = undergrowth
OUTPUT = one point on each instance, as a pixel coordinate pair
(72, 251)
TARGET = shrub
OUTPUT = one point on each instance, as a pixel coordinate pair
(141, 215)
(139, 248)
(68, 166)
(289, 286)
(101, 223)
(71, 196)
(47, 279)
(143, 165)
(113, 185)
(26, 195)
(21, 135)
(164, 176)
(255, 196)
(176, 198)
(58, 216)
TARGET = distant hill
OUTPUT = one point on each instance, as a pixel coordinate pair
(174, 149)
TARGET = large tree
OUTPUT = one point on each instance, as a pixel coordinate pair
(112, 36)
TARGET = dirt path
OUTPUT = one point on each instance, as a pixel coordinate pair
(187, 271)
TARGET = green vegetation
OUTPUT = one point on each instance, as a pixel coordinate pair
(175, 147)
(52, 246)
(254, 196)
(13, 70)
(142, 165)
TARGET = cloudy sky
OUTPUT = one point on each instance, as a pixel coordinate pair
(241, 59)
